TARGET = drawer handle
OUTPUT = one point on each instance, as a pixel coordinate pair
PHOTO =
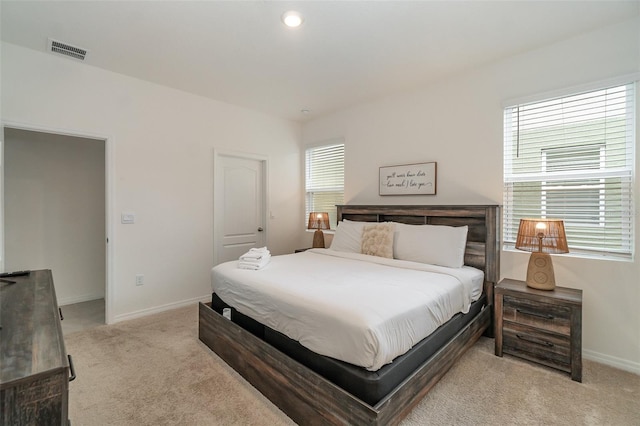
(534, 314)
(72, 370)
(61, 317)
(532, 340)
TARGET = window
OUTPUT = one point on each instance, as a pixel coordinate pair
(324, 177)
(572, 158)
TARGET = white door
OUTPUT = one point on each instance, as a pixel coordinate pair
(239, 206)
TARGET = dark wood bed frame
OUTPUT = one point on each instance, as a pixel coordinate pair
(309, 398)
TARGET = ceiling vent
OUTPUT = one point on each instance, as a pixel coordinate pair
(55, 46)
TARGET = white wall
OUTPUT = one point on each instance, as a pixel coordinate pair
(162, 143)
(55, 210)
(458, 123)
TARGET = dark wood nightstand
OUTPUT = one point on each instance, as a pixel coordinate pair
(540, 326)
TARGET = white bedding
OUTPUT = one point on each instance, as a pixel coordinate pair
(364, 310)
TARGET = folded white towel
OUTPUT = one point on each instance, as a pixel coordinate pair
(256, 261)
(250, 256)
(255, 253)
(254, 264)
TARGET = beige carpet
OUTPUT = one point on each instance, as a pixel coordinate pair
(155, 371)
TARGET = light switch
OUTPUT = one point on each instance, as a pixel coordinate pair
(128, 217)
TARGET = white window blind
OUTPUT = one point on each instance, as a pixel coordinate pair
(324, 167)
(572, 158)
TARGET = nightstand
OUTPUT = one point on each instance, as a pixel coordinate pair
(540, 326)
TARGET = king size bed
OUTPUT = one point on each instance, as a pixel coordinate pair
(340, 337)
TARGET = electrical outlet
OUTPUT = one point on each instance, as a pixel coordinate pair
(139, 279)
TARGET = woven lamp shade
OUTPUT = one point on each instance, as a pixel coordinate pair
(318, 221)
(541, 237)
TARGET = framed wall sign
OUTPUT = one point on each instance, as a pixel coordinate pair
(408, 179)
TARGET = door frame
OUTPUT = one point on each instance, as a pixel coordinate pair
(109, 205)
(217, 212)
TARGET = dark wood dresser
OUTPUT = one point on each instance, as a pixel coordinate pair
(540, 326)
(34, 366)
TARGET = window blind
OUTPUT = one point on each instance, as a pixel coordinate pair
(324, 180)
(572, 158)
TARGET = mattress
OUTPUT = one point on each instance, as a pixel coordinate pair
(363, 310)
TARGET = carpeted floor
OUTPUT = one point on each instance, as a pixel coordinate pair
(155, 371)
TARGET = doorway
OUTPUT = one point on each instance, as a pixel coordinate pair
(239, 204)
(54, 202)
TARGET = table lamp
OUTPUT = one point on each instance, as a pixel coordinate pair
(541, 237)
(318, 221)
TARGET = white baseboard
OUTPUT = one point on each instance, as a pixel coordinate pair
(612, 361)
(79, 299)
(162, 308)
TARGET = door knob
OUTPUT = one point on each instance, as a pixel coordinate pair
(260, 229)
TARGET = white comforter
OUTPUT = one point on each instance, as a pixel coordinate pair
(364, 310)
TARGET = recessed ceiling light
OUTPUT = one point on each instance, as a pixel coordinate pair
(292, 19)
(305, 111)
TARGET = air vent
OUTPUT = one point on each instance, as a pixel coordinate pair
(61, 48)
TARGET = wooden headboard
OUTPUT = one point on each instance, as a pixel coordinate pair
(483, 239)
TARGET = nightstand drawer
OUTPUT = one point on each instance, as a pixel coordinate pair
(554, 318)
(520, 339)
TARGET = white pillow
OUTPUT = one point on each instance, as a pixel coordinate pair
(433, 244)
(348, 236)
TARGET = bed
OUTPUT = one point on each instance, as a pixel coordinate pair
(316, 388)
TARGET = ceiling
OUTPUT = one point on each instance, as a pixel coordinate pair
(345, 53)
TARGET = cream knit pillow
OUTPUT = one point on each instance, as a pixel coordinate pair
(377, 240)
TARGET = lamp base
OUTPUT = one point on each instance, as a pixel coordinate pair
(540, 272)
(318, 239)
